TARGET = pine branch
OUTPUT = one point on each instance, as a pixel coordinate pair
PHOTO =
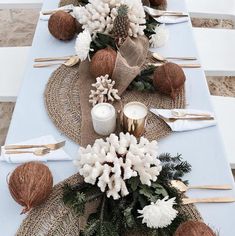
(102, 41)
(143, 82)
(150, 26)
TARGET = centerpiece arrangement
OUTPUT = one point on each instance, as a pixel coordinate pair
(123, 186)
(131, 186)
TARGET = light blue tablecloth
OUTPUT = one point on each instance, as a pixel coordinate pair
(202, 148)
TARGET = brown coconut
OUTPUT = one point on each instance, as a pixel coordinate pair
(30, 184)
(194, 228)
(146, 3)
(63, 26)
(160, 4)
(103, 62)
(169, 79)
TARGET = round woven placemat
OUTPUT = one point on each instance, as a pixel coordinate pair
(53, 218)
(62, 103)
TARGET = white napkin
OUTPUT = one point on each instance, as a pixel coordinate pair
(165, 19)
(46, 17)
(57, 155)
(185, 125)
(171, 19)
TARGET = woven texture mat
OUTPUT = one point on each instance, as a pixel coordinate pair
(63, 105)
(53, 218)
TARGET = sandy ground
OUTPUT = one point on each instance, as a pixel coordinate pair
(17, 29)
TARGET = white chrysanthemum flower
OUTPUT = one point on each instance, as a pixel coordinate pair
(160, 37)
(159, 214)
(82, 45)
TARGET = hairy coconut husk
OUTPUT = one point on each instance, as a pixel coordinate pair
(103, 62)
(146, 3)
(30, 184)
(194, 228)
(63, 26)
(169, 79)
(160, 4)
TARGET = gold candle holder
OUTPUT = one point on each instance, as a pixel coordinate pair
(133, 118)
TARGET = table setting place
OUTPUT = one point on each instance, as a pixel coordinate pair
(116, 100)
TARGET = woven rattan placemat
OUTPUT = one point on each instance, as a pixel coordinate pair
(63, 105)
(53, 218)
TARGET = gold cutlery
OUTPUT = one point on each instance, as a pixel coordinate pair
(173, 119)
(37, 152)
(153, 11)
(44, 59)
(183, 187)
(181, 65)
(54, 11)
(70, 62)
(160, 58)
(208, 200)
(170, 14)
(53, 146)
(183, 114)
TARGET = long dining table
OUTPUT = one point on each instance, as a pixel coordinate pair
(203, 149)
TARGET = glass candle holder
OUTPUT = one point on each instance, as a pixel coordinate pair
(103, 119)
(134, 117)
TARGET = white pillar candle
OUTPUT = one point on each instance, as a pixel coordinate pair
(135, 110)
(103, 118)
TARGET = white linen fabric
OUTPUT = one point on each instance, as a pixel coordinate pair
(185, 125)
(57, 155)
(171, 19)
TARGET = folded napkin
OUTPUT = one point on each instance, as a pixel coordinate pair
(57, 155)
(171, 19)
(165, 19)
(46, 17)
(185, 125)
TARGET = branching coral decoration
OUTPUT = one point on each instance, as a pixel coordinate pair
(99, 15)
(110, 163)
(159, 214)
(104, 92)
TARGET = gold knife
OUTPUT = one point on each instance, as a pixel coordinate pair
(53, 146)
(208, 200)
(181, 65)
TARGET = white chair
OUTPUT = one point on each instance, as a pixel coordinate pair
(216, 50)
(20, 4)
(12, 66)
(225, 114)
(223, 9)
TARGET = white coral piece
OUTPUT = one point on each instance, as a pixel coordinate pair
(99, 15)
(104, 92)
(110, 163)
(159, 214)
(160, 37)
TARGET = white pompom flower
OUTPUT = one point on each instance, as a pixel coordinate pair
(82, 45)
(160, 37)
(159, 214)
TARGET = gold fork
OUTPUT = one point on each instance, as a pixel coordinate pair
(185, 118)
(37, 152)
(53, 146)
